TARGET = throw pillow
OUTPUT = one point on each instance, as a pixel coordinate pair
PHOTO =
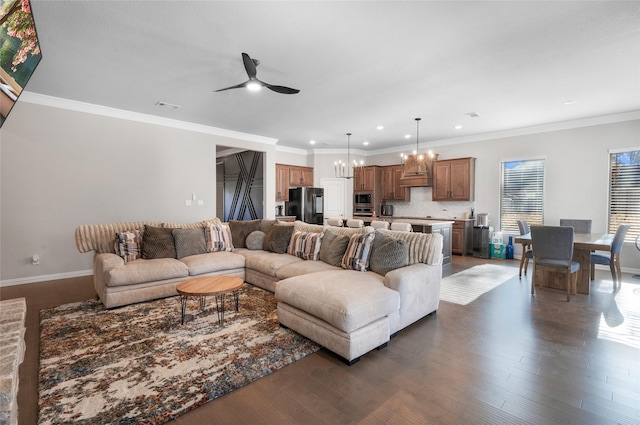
(157, 242)
(387, 254)
(218, 237)
(357, 254)
(305, 245)
(129, 244)
(254, 240)
(240, 230)
(277, 240)
(189, 241)
(333, 247)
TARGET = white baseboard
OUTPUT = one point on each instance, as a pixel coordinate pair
(44, 278)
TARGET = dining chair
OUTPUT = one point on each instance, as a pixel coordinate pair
(335, 222)
(355, 223)
(579, 226)
(380, 224)
(404, 227)
(527, 253)
(611, 259)
(553, 251)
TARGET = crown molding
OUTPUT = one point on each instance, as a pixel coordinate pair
(89, 108)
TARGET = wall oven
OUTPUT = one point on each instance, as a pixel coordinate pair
(363, 204)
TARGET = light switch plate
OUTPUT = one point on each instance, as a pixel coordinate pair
(187, 203)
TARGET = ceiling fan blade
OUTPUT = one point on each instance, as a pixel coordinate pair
(281, 89)
(249, 66)
(237, 86)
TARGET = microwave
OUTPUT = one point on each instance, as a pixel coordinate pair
(363, 199)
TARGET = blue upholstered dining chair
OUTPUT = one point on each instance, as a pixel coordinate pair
(527, 253)
(579, 226)
(553, 251)
(612, 259)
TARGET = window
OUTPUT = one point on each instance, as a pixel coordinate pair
(521, 194)
(624, 192)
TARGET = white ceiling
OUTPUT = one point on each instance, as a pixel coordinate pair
(358, 64)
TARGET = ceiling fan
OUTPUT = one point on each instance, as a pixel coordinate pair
(253, 83)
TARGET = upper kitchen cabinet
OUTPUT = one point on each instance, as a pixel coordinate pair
(366, 179)
(300, 176)
(454, 179)
(390, 183)
(291, 176)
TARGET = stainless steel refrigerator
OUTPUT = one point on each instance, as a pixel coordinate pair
(307, 204)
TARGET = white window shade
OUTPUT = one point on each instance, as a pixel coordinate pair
(521, 194)
(624, 192)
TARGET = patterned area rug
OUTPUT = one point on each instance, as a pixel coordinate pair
(138, 364)
(466, 286)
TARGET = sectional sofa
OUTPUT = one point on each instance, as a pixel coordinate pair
(350, 290)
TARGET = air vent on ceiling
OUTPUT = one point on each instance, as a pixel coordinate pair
(472, 114)
(168, 105)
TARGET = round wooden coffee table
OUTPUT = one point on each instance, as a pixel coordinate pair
(217, 286)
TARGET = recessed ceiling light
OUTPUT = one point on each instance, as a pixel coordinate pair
(380, 127)
(569, 102)
(312, 142)
(365, 143)
(407, 136)
(458, 127)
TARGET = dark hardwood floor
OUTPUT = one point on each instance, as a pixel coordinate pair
(506, 358)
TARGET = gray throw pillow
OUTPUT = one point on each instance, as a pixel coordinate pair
(255, 239)
(277, 240)
(189, 241)
(387, 254)
(333, 247)
(157, 242)
(241, 229)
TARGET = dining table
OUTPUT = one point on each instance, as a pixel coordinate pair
(583, 244)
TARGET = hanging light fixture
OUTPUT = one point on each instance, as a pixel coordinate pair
(341, 169)
(417, 167)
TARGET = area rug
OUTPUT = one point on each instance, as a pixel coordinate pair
(138, 364)
(466, 286)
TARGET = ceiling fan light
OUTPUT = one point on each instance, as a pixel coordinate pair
(254, 86)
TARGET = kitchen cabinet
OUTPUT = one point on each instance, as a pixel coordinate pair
(291, 176)
(462, 237)
(390, 184)
(300, 176)
(366, 179)
(454, 180)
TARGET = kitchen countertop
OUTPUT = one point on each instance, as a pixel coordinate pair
(427, 218)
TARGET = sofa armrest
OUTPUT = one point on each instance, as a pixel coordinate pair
(107, 261)
(419, 288)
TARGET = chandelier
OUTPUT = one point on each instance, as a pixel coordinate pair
(417, 164)
(341, 169)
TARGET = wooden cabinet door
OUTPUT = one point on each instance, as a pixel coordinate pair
(399, 193)
(387, 183)
(282, 183)
(295, 176)
(307, 176)
(369, 179)
(441, 181)
(460, 186)
(457, 239)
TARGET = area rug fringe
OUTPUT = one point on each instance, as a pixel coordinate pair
(466, 286)
(138, 364)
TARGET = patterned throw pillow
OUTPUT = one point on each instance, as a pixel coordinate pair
(218, 238)
(157, 242)
(189, 241)
(129, 244)
(305, 245)
(387, 254)
(357, 255)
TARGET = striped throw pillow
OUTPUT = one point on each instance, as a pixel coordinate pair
(218, 238)
(305, 245)
(356, 257)
(129, 244)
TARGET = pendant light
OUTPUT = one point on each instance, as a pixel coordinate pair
(341, 169)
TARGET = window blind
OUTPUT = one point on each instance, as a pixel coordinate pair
(624, 192)
(521, 194)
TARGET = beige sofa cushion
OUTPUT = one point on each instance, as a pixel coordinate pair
(346, 299)
(142, 271)
(213, 262)
(423, 247)
(269, 262)
(303, 267)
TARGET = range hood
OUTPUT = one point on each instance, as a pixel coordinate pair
(417, 173)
